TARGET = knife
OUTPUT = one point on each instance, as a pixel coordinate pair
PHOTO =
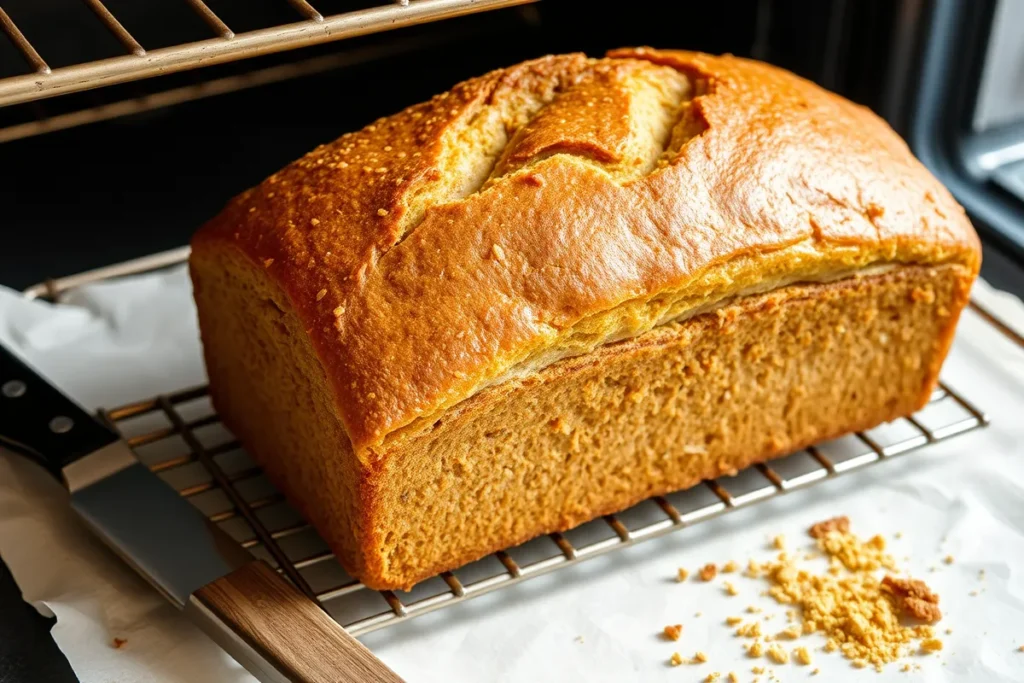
(264, 622)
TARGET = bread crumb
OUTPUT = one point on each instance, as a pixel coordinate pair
(314, 221)
(837, 524)
(758, 670)
(948, 559)
(801, 655)
(973, 594)
(905, 668)
(779, 542)
(860, 663)
(382, 212)
(777, 654)
(118, 643)
(682, 574)
(673, 632)
(729, 567)
(732, 621)
(731, 589)
(749, 630)
(321, 294)
(914, 598)
(816, 672)
(793, 632)
(830, 645)
(498, 252)
(898, 535)
(949, 631)
(708, 572)
(700, 657)
(697, 614)
(756, 649)
(753, 610)
(579, 639)
(676, 659)
(733, 678)
(931, 645)
(712, 677)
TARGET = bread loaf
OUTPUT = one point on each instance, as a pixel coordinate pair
(566, 286)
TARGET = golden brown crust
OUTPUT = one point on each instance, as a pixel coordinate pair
(565, 201)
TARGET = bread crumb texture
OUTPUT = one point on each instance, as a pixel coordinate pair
(673, 632)
(871, 620)
(708, 572)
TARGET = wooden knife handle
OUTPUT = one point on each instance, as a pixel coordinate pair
(288, 629)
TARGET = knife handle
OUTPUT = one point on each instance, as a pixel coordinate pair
(286, 630)
(37, 419)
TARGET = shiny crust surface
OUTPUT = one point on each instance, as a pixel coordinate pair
(569, 201)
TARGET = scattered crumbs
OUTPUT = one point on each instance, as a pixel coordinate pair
(676, 659)
(118, 643)
(732, 621)
(753, 609)
(733, 678)
(708, 572)
(914, 598)
(700, 657)
(1021, 648)
(321, 294)
(673, 632)
(579, 639)
(697, 614)
(830, 645)
(749, 630)
(729, 567)
(949, 631)
(731, 589)
(682, 574)
(756, 649)
(777, 654)
(801, 655)
(836, 524)
(793, 632)
(931, 645)
(973, 593)
(758, 670)
(905, 668)
(753, 569)
(816, 672)
(779, 542)
(898, 535)
(712, 677)
(860, 663)
(948, 559)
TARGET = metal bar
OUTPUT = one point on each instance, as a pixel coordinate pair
(211, 18)
(235, 497)
(921, 428)
(618, 527)
(212, 51)
(134, 267)
(510, 565)
(454, 584)
(564, 545)
(981, 417)
(722, 494)
(306, 10)
(771, 475)
(120, 32)
(21, 42)
(394, 603)
(996, 322)
(217, 86)
(822, 460)
(669, 509)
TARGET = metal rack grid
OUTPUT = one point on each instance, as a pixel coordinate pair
(181, 438)
(224, 46)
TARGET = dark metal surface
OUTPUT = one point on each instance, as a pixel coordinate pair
(158, 532)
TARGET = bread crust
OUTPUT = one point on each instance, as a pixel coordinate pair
(543, 210)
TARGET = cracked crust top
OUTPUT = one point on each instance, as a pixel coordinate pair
(542, 210)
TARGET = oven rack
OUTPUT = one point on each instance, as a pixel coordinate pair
(310, 27)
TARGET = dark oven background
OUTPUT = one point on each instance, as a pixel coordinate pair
(102, 193)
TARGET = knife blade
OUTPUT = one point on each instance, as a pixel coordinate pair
(190, 560)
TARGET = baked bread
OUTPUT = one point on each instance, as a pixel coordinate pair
(566, 286)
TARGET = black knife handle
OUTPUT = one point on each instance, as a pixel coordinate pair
(37, 419)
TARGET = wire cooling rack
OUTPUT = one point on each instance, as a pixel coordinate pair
(180, 437)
